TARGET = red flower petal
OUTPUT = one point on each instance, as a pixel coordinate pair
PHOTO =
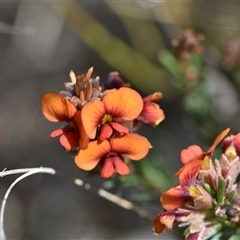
(237, 143)
(92, 114)
(120, 166)
(107, 169)
(151, 114)
(69, 139)
(190, 153)
(105, 132)
(174, 198)
(193, 236)
(60, 131)
(83, 138)
(56, 108)
(123, 103)
(88, 159)
(119, 127)
(153, 97)
(132, 145)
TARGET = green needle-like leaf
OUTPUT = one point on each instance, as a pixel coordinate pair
(221, 191)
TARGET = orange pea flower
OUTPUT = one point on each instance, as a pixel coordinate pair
(151, 113)
(123, 103)
(56, 108)
(192, 195)
(110, 154)
(189, 191)
(195, 160)
(208, 195)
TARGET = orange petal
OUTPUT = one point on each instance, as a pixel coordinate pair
(174, 198)
(83, 138)
(158, 227)
(120, 166)
(56, 108)
(92, 114)
(69, 140)
(107, 169)
(123, 103)
(190, 153)
(189, 171)
(88, 159)
(218, 139)
(163, 220)
(132, 145)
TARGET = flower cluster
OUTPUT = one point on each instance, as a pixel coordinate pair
(207, 199)
(101, 121)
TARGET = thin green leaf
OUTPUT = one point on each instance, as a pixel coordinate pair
(154, 174)
(171, 63)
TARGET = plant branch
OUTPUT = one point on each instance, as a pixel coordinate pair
(125, 204)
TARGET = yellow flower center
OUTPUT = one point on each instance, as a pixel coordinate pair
(231, 153)
(107, 118)
(194, 191)
(206, 163)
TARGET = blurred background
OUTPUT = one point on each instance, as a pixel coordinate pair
(42, 41)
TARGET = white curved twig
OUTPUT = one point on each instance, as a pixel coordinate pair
(28, 172)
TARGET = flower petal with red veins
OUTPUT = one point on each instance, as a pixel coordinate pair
(69, 140)
(132, 145)
(120, 166)
(119, 127)
(56, 108)
(83, 138)
(123, 103)
(189, 171)
(174, 198)
(107, 169)
(92, 114)
(60, 131)
(105, 132)
(88, 159)
(190, 153)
